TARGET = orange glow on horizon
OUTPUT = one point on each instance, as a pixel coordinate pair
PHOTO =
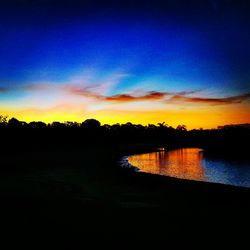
(207, 117)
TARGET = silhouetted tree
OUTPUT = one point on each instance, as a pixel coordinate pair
(20, 134)
(69, 124)
(162, 124)
(57, 125)
(37, 125)
(91, 124)
(14, 123)
(181, 127)
(3, 120)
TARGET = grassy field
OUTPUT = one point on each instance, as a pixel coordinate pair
(78, 195)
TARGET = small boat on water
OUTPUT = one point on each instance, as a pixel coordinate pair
(161, 149)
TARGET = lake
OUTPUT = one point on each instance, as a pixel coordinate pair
(190, 163)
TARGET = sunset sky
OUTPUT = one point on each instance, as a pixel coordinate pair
(179, 62)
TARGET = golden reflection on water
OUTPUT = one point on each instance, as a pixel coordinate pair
(185, 163)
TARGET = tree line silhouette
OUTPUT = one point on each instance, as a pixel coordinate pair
(21, 135)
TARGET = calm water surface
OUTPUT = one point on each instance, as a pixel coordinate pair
(190, 163)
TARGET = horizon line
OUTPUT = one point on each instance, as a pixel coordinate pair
(110, 124)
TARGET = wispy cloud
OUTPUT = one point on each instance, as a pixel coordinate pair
(178, 98)
(152, 95)
(26, 87)
(127, 97)
(4, 89)
(99, 93)
(211, 101)
(88, 91)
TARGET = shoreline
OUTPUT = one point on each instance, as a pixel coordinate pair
(123, 163)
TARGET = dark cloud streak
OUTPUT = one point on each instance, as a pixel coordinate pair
(211, 101)
(153, 95)
(4, 90)
(180, 98)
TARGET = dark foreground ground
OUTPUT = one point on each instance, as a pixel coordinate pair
(83, 197)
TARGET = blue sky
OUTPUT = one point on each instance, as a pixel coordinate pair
(137, 46)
